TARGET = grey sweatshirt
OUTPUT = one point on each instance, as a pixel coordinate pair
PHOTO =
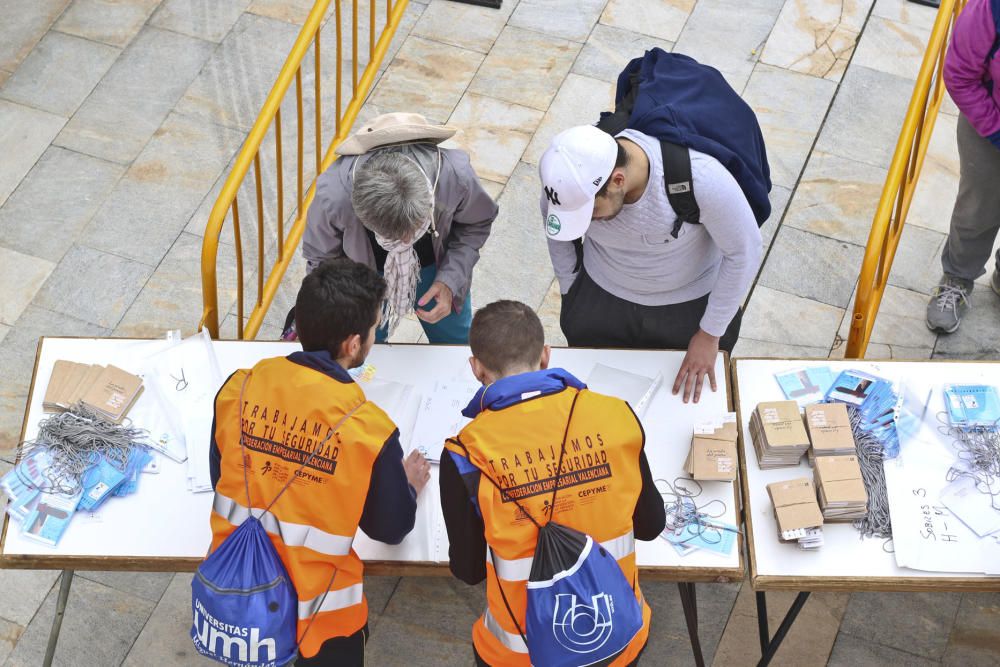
(463, 213)
(634, 257)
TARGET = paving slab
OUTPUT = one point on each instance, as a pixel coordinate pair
(668, 642)
(580, 101)
(779, 197)
(816, 38)
(210, 21)
(899, 324)
(836, 198)
(397, 641)
(729, 35)
(923, 630)
(862, 126)
(517, 233)
(165, 638)
(893, 47)
(114, 22)
(748, 347)
(234, 82)
(850, 651)
(147, 585)
(662, 19)
(172, 298)
(426, 77)
(162, 189)
(917, 265)
(98, 628)
(4, 330)
(55, 201)
(548, 313)
(22, 276)
(59, 73)
(24, 591)
(494, 133)
(812, 266)
(25, 133)
(905, 11)
(136, 95)
(10, 633)
(291, 11)
(525, 67)
(480, 26)
(94, 286)
(974, 641)
(22, 27)
(787, 319)
(609, 49)
(569, 19)
(937, 188)
(790, 108)
(808, 642)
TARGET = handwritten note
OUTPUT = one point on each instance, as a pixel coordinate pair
(440, 416)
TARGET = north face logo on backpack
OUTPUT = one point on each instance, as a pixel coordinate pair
(581, 628)
(552, 196)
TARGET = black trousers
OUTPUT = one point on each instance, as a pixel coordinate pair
(592, 317)
(339, 652)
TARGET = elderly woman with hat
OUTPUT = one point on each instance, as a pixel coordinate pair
(414, 211)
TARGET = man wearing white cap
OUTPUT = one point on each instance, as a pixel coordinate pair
(415, 212)
(637, 280)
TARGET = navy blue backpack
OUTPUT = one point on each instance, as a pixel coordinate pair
(581, 609)
(244, 603)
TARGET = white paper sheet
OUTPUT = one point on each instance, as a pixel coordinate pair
(637, 389)
(440, 416)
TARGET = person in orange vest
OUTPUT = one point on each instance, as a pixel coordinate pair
(519, 422)
(284, 408)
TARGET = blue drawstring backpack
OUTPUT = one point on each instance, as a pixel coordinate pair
(244, 603)
(581, 609)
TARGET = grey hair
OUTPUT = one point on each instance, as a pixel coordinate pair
(391, 196)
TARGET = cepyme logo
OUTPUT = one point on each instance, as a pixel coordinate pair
(222, 645)
(580, 628)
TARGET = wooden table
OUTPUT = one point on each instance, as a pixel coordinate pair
(145, 533)
(844, 562)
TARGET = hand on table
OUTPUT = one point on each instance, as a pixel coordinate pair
(441, 309)
(698, 363)
(418, 470)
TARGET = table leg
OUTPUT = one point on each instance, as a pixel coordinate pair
(786, 625)
(689, 601)
(762, 629)
(64, 584)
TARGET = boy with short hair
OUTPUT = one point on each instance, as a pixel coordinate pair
(521, 416)
(283, 409)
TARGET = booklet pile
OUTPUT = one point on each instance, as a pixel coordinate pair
(778, 434)
(108, 390)
(797, 513)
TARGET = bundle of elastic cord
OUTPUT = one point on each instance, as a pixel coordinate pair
(979, 452)
(871, 455)
(75, 440)
(682, 511)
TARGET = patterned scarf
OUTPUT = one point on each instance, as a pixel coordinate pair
(402, 273)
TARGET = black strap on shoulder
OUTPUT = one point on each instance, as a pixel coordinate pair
(679, 185)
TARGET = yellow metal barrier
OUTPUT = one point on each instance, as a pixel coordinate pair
(250, 155)
(901, 182)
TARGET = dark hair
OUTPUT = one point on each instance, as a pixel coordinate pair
(506, 334)
(338, 299)
(620, 162)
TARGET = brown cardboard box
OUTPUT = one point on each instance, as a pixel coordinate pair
(795, 504)
(830, 429)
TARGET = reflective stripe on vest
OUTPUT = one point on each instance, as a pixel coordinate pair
(519, 569)
(292, 534)
(511, 640)
(339, 599)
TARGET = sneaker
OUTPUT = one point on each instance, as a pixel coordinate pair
(995, 281)
(948, 304)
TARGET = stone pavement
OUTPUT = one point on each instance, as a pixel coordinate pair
(120, 118)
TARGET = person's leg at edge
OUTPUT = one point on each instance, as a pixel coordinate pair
(975, 221)
(339, 652)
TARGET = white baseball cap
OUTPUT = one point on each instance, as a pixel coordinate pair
(573, 169)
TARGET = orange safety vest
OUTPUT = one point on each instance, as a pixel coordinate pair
(600, 484)
(288, 410)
